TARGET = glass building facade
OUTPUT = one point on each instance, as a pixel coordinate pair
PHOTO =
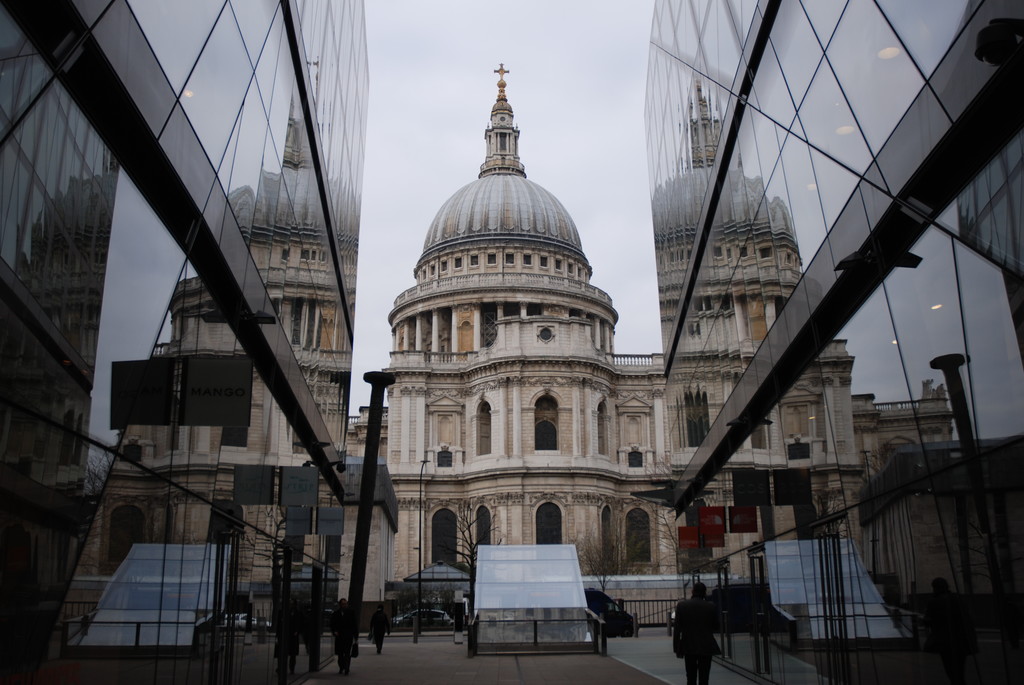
(837, 195)
(179, 214)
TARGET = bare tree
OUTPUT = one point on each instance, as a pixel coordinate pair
(468, 538)
(606, 557)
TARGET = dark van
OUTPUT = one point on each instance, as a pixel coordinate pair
(617, 622)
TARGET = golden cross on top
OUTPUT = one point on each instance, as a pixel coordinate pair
(501, 71)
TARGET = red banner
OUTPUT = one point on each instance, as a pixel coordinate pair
(742, 519)
(688, 538)
(712, 539)
(712, 520)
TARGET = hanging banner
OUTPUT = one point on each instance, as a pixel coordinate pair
(712, 538)
(792, 487)
(742, 519)
(254, 484)
(299, 521)
(140, 392)
(712, 519)
(299, 486)
(215, 391)
(751, 487)
(330, 521)
(688, 537)
(712, 526)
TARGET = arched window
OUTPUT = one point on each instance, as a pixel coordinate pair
(483, 526)
(549, 524)
(697, 419)
(545, 430)
(483, 429)
(606, 526)
(638, 536)
(127, 524)
(443, 542)
(602, 429)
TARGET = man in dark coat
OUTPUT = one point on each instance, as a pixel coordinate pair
(693, 637)
(344, 628)
(380, 626)
(950, 631)
(290, 641)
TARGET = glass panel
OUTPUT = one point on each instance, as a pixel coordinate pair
(994, 344)
(217, 86)
(829, 123)
(987, 213)
(798, 52)
(795, 186)
(926, 34)
(874, 71)
(824, 15)
(177, 33)
(24, 72)
(254, 19)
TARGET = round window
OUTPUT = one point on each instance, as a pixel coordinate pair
(546, 334)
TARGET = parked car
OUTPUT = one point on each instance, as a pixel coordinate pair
(239, 621)
(428, 617)
(617, 621)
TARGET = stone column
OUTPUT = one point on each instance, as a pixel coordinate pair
(498, 416)
(477, 327)
(576, 427)
(659, 422)
(419, 332)
(740, 313)
(517, 421)
(455, 330)
(405, 419)
(420, 404)
(435, 332)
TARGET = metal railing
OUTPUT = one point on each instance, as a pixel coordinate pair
(649, 612)
(532, 629)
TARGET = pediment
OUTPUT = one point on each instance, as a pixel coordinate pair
(445, 402)
(633, 403)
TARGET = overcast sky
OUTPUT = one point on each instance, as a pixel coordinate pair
(576, 82)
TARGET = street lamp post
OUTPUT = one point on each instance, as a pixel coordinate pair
(419, 575)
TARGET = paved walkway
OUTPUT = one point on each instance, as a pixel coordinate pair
(647, 659)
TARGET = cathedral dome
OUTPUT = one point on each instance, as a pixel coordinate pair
(502, 205)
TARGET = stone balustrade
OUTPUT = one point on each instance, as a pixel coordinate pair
(495, 281)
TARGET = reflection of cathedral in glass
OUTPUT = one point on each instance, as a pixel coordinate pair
(840, 294)
(179, 216)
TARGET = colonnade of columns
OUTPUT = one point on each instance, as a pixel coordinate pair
(442, 326)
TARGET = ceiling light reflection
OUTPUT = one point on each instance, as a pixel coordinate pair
(936, 306)
(187, 93)
(845, 130)
(888, 53)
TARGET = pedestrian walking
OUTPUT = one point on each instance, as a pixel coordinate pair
(950, 631)
(693, 635)
(380, 625)
(287, 646)
(345, 629)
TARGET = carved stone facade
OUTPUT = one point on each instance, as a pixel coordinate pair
(526, 411)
